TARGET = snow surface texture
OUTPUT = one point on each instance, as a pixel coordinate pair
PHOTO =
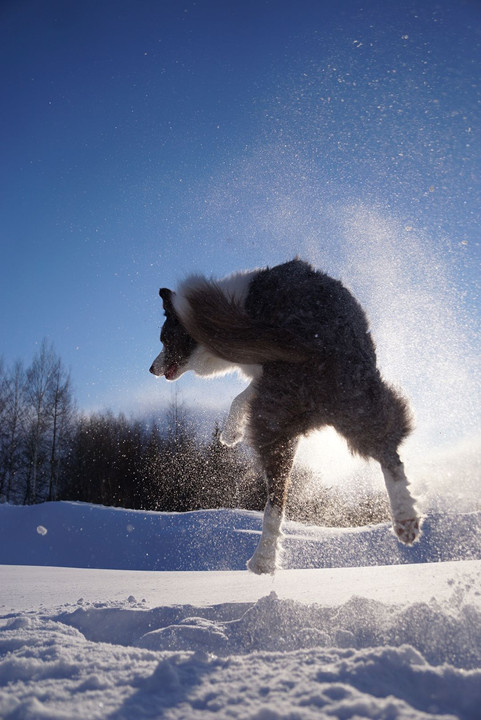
(391, 643)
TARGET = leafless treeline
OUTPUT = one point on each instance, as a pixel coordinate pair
(49, 451)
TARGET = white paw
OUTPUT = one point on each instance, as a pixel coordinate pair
(408, 531)
(231, 436)
(262, 564)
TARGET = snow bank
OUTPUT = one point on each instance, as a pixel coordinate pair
(90, 536)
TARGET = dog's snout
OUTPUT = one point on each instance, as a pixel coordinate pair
(157, 367)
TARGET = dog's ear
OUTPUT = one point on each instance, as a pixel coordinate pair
(166, 296)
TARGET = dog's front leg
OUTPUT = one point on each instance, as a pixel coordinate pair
(277, 460)
(266, 558)
(233, 431)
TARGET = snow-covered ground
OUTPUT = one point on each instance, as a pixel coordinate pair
(109, 613)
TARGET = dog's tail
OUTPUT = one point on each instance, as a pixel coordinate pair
(221, 324)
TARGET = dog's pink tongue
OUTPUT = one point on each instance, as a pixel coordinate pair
(171, 371)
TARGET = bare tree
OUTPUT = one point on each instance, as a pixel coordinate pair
(49, 409)
(3, 433)
(61, 409)
(39, 378)
(13, 415)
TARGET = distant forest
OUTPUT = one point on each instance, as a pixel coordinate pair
(50, 451)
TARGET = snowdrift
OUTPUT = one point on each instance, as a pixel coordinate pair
(89, 536)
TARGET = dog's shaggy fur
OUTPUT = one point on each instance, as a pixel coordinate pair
(304, 342)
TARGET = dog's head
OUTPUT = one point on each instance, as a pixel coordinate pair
(178, 345)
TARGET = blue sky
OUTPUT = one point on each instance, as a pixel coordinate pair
(145, 140)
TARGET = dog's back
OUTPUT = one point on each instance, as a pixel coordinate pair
(312, 306)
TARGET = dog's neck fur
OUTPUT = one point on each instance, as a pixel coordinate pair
(203, 362)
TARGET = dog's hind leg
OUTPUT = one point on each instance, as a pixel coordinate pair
(375, 429)
(405, 520)
(277, 459)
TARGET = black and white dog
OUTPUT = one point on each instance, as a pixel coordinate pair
(304, 342)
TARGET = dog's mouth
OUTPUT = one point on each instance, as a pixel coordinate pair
(171, 371)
